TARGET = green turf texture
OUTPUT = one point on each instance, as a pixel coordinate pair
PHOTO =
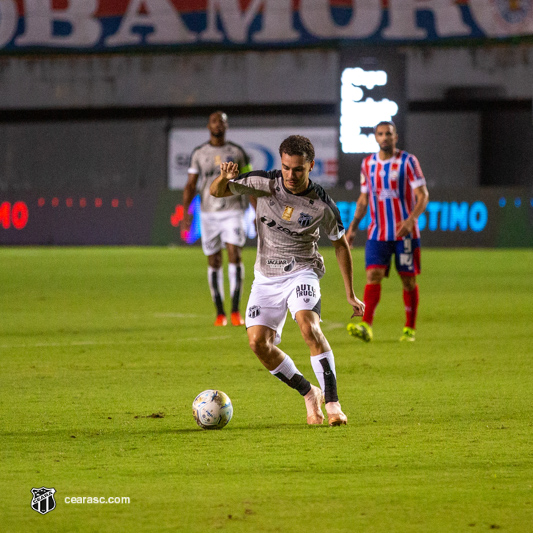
(104, 349)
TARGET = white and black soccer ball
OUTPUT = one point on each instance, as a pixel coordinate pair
(212, 409)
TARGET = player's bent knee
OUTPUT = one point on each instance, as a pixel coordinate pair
(258, 343)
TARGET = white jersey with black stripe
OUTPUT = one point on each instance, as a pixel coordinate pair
(205, 161)
(288, 225)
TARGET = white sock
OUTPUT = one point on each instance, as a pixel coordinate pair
(236, 276)
(324, 368)
(289, 374)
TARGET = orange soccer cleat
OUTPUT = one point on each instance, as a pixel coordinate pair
(236, 319)
(221, 320)
(313, 400)
(335, 416)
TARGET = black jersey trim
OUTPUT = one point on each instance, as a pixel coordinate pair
(246, 157)
(324, 196)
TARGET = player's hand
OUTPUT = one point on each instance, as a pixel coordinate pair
(357, 305)
(186, 224)
(404, 228)
(229, 170)
(350, 235)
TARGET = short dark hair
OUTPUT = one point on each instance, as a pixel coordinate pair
(297, 145)
(385, 123)
(221, 113)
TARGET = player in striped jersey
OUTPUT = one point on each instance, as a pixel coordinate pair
(393, 184)
(222, 220)
(291, 210)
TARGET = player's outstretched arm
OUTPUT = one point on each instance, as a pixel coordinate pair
(219, 188)
(344, 259)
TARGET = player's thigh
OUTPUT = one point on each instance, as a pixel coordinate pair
(407, 257)
(267, 307)
(378, 255)
(304, 294)
(234, 253)
(211, 234)
(232, 229)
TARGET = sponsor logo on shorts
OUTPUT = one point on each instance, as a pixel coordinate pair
(406, 260)
(304, 220)
(305, 290)
(254, 311)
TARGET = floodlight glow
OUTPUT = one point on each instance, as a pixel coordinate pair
(357, 113)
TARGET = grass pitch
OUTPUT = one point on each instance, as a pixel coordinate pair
(103, 350)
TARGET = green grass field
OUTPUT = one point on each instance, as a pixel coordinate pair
(103, 350)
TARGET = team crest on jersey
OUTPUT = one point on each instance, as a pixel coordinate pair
(305, 220)
(287, 214)
(218, 160)
(43, 500)
(254, 311)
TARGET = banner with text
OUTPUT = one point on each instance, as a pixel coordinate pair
(99, 25)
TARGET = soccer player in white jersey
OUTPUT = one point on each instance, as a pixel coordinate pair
(222, 220)
(393, 184)
(290, 210)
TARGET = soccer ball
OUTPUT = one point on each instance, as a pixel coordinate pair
(212, 409)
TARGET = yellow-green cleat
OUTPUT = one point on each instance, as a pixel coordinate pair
(362, 331)
(408, 335)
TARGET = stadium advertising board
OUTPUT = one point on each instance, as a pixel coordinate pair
(469, 217)
(261, 144)
(99, 25)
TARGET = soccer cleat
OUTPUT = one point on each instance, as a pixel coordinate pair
(221, 320)
(408, 334)
(362, 331)
(313, 400)
(236, 319)
(335, 415)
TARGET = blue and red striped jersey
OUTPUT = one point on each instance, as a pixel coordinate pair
(390, 185)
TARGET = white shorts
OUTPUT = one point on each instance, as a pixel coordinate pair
(271, 297)
(220, 228)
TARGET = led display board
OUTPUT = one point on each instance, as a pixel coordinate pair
(372, 89)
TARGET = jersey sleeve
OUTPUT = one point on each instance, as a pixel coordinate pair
(414, 172)
(364, 178)
(194, 165)
(254, 183)
(332, 222)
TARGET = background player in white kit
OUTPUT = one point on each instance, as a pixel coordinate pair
(290, 210)
(222, 220)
